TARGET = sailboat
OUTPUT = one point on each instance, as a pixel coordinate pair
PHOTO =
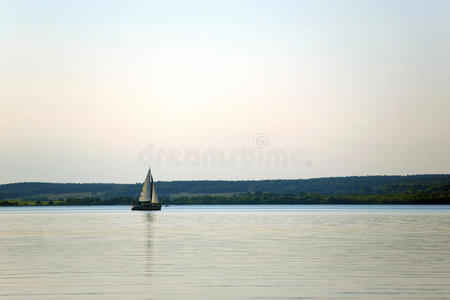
(149, 198)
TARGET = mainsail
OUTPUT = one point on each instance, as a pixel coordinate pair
(148, 193)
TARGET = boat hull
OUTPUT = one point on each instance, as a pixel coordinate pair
(151, 206)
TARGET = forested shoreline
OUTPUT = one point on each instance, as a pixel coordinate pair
(252, 198)
(412, 189)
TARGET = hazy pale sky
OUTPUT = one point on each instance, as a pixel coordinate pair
(95, 91)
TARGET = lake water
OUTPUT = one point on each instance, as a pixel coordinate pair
(225, 252)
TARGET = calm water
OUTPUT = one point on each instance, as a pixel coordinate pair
(226, 252)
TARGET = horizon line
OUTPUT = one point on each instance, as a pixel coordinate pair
(235, 180)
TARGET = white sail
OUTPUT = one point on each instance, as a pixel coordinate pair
(146, 194)
(154, 194)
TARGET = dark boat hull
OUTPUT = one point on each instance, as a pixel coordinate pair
(150, 206)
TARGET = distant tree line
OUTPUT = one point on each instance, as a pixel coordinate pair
(304, 198)
(43, 201)
(333, 186)
(438, 195)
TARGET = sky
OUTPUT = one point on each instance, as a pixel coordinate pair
(98, 91)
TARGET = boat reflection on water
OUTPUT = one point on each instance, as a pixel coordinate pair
(149, 219)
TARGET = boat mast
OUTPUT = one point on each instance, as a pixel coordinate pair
(151, 183)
